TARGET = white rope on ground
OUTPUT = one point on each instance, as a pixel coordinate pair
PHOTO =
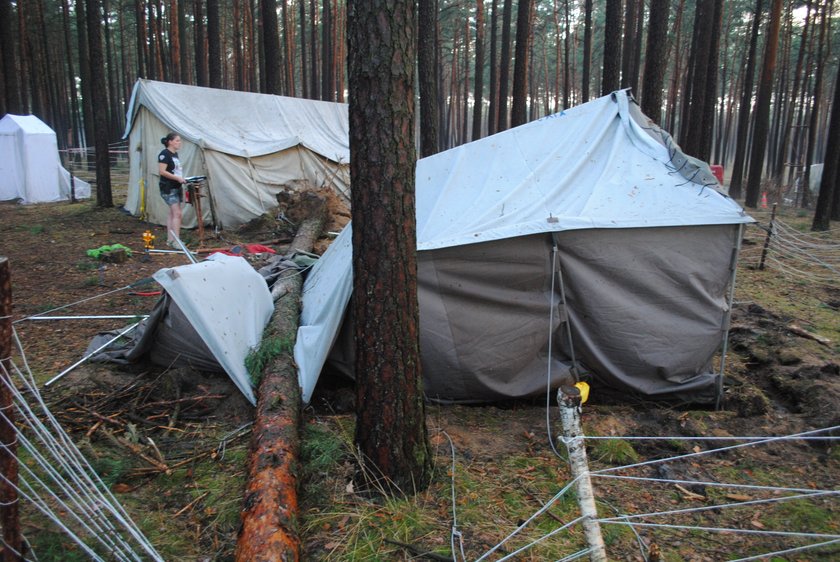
(719, 506)
(706, 438)
(767, 555)
(799, 274)
(711, 451)
(576, 555)
(812, 240)
(784, 245)
(540, 539)
(87, 500)
(539, 512)
(454, 531)
(732, 530)
(709, 484)
(62, 307)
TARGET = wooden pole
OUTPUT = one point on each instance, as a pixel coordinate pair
(771, 230)
(568, 398)
(269, 528)
(9, 516)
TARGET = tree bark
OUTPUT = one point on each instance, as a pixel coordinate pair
(390, 414)
(736, 177)
(269, 516)
(628, 43)
(762, 109)
(827, 200)
(655, 60)
(84, 71)
(100, 101)
(504, 60)
(201, 69)
(10, 70)
(478, 90)
(587, 49)
(493, 110)
(813, 121)
(518, 114)
(427, 71)
(612, 47)
(9, 506)
(327, 75)
(214, 52)
(271, 47)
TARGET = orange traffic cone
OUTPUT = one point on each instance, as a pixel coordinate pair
(764, 200)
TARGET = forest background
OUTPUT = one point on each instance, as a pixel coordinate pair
(747, 84)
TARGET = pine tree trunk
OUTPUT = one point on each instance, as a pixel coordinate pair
(627, 45)
(327, 82)
(271, 47)
(655, 60)
(84, 71)
(587, 50)
(479, 70)
(390, 416)
(504, 60)
(518, 114)
(13, 102)
(270, 520)
(427, 14)
(828, 200)
(813, 121)
(762, 109)
(201, 69)
(736, 178)
(100, 102)
(214, 52)
(493, 110)
(612, 47)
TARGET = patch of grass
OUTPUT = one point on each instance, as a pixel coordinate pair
(54, 545)
(87, 265)
(270, 347)
(36, 229)
(613, 451)
(111, 469)
(799, 515)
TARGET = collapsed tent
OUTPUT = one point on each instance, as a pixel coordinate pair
(30, 167)
(249, 146)
(584, 243)
(212, 314)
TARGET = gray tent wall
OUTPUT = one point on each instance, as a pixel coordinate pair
(648, 310)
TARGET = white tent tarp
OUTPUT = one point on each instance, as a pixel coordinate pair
(248, 145)
(30, 167)
(645, 243)
(212, 315)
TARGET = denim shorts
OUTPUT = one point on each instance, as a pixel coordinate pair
(172, 195)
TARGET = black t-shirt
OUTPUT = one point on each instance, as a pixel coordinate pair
(173, 166)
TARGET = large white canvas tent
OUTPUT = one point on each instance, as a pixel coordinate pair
(586, 239)
(30, 167)
(248, 145)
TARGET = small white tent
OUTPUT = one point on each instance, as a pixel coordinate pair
(248, 145)
(589, 227)
(30, 168)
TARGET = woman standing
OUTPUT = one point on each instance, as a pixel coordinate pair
(171, 179)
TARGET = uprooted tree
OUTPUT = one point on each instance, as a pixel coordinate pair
(390, 415)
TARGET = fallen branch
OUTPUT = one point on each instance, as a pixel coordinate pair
(803, 333)
(191, 504)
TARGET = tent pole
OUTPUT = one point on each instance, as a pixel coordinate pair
(733, 269)
(557, 269)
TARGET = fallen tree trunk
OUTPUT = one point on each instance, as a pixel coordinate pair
(269, 515)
